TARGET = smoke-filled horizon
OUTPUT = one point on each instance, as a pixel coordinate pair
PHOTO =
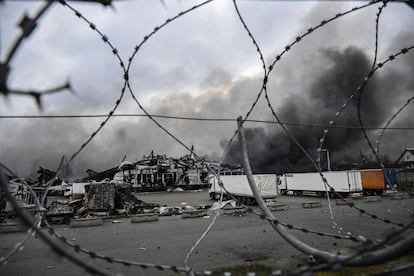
(272, 150)
(204, 65)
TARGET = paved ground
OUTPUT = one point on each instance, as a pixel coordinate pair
(233, 240)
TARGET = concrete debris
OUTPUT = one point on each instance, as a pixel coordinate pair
(85, 222)
(60, 212)
(170, 211)
(189, 208)
(217, 205)
(148, 217)
(194, 213)
(235, 211)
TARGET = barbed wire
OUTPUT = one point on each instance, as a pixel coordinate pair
(40, 208)
(376, 154)
(54, 245)
(359, 90)
(359, 254)
(387, 127)
(114, 51)
(297, 244)
(126, 78)
(169, 133)
(396, 250)
(127, 84)
(37, 218)
(264, 89)
(334, 260)
(378, 141)
(27, 26)
(272, 109)
(326, 185)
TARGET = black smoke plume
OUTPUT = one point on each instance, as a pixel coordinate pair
(271, 150)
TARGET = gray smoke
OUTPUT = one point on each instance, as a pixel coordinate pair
(204, 77)
(272, 150)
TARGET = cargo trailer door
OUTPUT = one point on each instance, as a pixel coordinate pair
(267, 185)
(354, 181)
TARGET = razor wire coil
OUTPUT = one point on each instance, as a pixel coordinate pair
(267, 71)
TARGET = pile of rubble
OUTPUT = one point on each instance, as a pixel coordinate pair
(103, 199)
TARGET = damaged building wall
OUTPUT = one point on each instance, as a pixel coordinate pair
(159, 172)
(100, 196)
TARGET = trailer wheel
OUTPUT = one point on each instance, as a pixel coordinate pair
(243, 200)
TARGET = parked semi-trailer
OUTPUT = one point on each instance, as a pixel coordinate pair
(373, 181)
(239, 187)
(344, 182)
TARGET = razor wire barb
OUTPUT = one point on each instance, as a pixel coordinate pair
(114, 50)
(271, 67)
(399, 248)
(126, 78)
(59, 248)
(337, 114)
(275, 223)
(76, 248)
(264, 89)
(325, 132)
(286, 49)
(360, 253)
(27, 26)
(296, 142)
(38, 218)
(358, 91)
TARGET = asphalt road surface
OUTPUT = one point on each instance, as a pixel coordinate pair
(232, 240)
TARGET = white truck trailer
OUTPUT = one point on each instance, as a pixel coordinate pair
(239, 187)
(344, 182)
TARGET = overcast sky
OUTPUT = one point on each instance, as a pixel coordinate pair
(201, 65)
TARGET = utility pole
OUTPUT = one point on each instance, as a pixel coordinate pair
(328, 159)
